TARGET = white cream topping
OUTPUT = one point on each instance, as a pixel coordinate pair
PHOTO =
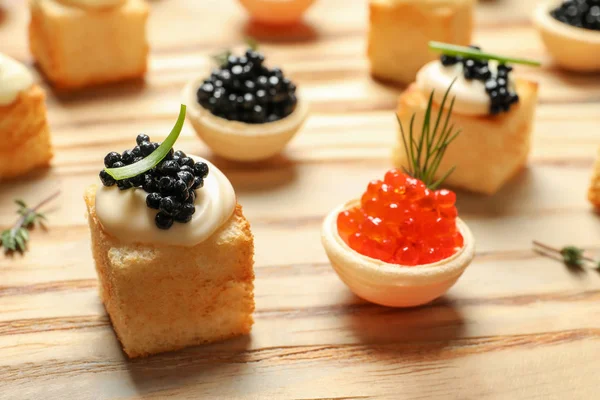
(14, 78)
(93, 3)
(471, 97)
(124, 214)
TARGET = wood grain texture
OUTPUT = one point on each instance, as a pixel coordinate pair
(516, 326)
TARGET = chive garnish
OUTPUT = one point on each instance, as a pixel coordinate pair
(151, 161)
(454, 50)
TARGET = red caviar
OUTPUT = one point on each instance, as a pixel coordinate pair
(401, 221)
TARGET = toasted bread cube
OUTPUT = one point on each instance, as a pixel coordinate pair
(594, 189)
(489, 151)
(163, 297)
(24, 134)
(400, 30)
(77, 47)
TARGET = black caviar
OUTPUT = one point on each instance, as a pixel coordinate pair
(171, 185)
(579, 13)
(244, 89)
(502, 96)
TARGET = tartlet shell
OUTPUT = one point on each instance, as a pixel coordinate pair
(572, 48)
(239, 141)
(277, 12)
(392, 284)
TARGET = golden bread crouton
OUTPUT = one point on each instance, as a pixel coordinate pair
(76, 46)
(24, 134)
(489, 151)
(594, 189)
(164, 297)
(400, 30)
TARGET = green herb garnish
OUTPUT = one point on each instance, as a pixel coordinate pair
(454, 50)
(251, 43)
(425, 154)
(222, 57)
(571, 256)
(17, 237)
(151, 161)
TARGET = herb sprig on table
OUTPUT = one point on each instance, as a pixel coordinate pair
(16, 237)
(572, 256)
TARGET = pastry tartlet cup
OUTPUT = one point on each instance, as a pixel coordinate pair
(276, 12)
(393, 285)
(239, 141)
(572, 48)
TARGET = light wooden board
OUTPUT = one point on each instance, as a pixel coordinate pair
(516, 326)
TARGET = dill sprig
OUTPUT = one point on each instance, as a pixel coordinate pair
(425, 154)
(16, 237)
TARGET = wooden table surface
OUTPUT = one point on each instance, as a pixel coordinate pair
(515, 326)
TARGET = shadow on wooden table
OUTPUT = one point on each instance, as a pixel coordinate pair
(510, 197)
(420, 333)
(260, 176)
(301, 32)
(390, 85)
(573, 79)
(24, 181)
(195, 366)
(127, 88)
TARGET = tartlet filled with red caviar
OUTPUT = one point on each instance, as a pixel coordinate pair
(402, 244)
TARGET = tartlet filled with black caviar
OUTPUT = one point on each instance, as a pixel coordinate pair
(172, 248)
(570, 29)
(244, 110)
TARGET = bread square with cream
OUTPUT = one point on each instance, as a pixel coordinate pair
(24, 132)
(167, 297)
(493, 110)
(489, 151)
(173, 251)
